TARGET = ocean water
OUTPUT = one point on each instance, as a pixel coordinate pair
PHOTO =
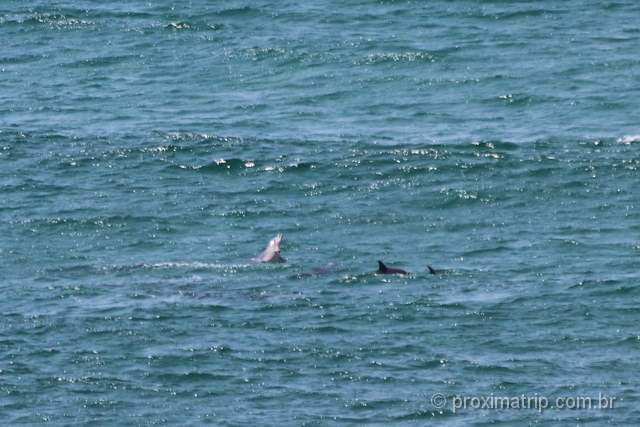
(149, 150)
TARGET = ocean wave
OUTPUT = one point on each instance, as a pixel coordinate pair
(391, 57)
(629, 139)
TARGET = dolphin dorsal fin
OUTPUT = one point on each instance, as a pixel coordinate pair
(382, 266)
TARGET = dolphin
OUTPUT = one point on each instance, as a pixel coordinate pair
(272, 253)
(383, 269)
(431, 270)
(320, 271)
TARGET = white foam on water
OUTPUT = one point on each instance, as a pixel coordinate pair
(628, 139)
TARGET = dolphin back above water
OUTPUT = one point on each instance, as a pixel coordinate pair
(320, 271)
(383, 269)
(272, 253)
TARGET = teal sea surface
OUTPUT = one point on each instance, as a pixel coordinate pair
(149, 150)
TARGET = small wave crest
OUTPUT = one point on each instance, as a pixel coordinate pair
(168, 265)
(629, 139)
(411, 56)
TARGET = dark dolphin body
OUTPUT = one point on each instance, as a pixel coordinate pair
(431, 270)
(383, 269)
(320, 271)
